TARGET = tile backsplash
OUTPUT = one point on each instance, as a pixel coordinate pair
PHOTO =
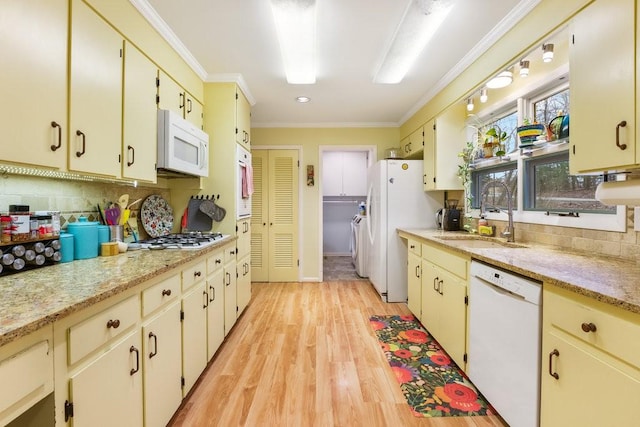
(71, 198)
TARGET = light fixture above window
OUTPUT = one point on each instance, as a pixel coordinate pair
(524, 68)
(547, 52)
(420, 21)
(484, 96)
(295, 22)
(503, 79)
(470, 105)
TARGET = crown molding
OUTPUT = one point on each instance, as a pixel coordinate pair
(159, 24)
(508, 22)
(327, 125)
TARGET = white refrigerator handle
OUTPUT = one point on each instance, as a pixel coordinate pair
(369, 213)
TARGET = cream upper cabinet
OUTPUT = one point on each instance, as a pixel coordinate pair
(603, 92)
(95, 94)
(345, 173)
(588, 347)
(443, 140)
(243, 120)
(33, 42)
(413, 145)
(140, 117)
(172, 96)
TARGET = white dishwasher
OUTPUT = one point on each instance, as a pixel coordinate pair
(504, 342)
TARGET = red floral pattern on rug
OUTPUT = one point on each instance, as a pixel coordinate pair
(432, 383)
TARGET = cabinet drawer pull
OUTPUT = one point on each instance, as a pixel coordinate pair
(155, 344)
(589, 327)
(113, 323)
(618, 126)
(132, 349)
(133, 155)
(218, 261)
(556, 353)
(84, 140)
(166, 292)
(54, 147)
(197, 274)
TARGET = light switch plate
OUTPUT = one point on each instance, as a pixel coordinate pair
(636, 219)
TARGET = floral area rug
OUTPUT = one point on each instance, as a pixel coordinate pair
(432, 383)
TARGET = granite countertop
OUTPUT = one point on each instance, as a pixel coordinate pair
(607, 279)
(35, 298)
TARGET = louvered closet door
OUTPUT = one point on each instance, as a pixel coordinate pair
(260, 217)
(283, 215)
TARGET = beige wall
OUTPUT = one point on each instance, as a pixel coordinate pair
(310, 140)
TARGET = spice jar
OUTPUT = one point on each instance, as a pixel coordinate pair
(20, 222)
(5, 226)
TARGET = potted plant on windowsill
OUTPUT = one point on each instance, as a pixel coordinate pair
(529, 132)
(494, 138)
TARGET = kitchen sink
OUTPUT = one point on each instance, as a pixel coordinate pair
(478, 242)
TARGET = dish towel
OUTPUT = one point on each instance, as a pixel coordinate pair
(247, 181)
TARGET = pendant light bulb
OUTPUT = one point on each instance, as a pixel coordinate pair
(547, 52)
(470, 104)
(524, 68)
(483, 95)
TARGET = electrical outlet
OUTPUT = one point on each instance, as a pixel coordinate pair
(636, 219)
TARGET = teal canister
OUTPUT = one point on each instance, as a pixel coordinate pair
(104, 234)
(85, 238)
(66, 247)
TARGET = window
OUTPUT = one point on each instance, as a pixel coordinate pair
(550, 188)
(496, 196)
(507, 124)
(551, 106)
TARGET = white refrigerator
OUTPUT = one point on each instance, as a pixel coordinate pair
(395, 199)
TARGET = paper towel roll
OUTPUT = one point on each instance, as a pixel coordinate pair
(619, 193)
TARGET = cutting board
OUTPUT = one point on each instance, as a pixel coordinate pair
(197, 220)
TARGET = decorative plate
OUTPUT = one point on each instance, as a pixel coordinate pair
(156, 216)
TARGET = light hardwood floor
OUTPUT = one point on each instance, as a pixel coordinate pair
(303, 354)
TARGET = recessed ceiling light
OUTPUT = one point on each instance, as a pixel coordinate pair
(303, 99)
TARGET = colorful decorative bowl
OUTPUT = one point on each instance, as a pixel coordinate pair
(528, 134)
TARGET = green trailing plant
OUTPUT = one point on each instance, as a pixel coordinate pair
(467, 155)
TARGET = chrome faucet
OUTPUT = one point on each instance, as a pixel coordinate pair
(509, 231)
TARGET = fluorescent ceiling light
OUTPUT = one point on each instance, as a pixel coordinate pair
(296, 27)
(503, 79)
(420, 21)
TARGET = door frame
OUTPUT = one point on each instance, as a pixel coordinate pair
(300, 196)
(372, 150)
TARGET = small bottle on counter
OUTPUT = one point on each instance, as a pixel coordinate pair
(5, 226)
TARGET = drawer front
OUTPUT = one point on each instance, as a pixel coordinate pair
(215, 262)
(603, 329)
(194, 274)
(454, 263)
(159, 294)
(27, 374)
(414, 247)
(97, 330)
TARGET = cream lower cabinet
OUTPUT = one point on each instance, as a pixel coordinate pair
(444, 299)
(161, 351)
(194, 324)
(230, 289)
(215, 305)
(95, 103)
(243, 266)
(108, 391)
(590, 362)
(414, 281)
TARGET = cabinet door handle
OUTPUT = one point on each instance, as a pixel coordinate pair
(166, 292)
(228, 278)
(54, 147)
(132, 349)
(113, 324)
(133, 155)
(440, 283)
(213, 293)
(155, 344)
(589, 327)
(618, 126)
(189, 106)
(417, 271)
(556, 353)
(84, 140)
(435, 282)
(182, 100)
(206, 299)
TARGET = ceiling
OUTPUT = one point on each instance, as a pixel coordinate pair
(224, 39)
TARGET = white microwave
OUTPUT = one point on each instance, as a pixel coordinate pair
(182, 147)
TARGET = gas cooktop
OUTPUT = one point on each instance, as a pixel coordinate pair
(188, 240)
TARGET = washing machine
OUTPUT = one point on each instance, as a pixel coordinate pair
(359, 244)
